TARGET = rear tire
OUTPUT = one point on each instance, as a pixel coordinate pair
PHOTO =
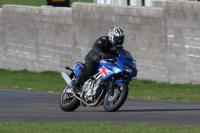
(68, 103)
(111, 105)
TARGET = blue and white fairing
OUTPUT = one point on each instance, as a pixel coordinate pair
(77, 68)
(125, 64)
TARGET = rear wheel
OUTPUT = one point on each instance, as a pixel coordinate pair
(113, 103)
(68, 102)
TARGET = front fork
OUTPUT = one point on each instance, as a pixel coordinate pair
(113, 82)
(111, 87)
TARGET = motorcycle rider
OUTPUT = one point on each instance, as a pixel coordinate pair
(100, 50)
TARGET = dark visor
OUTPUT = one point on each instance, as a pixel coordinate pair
(119, 40)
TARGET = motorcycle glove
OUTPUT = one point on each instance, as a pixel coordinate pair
(104, 55)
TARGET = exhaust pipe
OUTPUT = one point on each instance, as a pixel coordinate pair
(66, 77)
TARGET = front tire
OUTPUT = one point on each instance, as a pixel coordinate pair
(113, 103)
(68, 102)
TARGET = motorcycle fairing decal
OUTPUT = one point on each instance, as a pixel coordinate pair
(116, 69)
(104, 71)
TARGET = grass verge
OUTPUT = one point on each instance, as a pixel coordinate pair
(164, 91)
(26, 80)
(53, 82)
(88, 127)
(33, 2)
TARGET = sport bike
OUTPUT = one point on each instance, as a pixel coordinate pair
(108, 86)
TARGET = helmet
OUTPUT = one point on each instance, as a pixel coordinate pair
(116, 36)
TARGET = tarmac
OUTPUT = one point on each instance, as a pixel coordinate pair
(44, 107)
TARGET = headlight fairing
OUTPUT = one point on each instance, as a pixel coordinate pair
(128, 69)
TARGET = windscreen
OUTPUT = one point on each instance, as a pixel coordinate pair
(127, 54)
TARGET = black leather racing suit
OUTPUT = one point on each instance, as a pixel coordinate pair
(101, 45)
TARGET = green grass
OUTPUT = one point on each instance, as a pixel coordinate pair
(87, 127)
(152, 90)
(53, 82)
(25, 80)
(33, 2)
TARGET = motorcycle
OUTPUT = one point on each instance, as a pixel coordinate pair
(108, 86)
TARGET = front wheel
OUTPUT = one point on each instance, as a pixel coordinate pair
(113, 103)
(68, 102)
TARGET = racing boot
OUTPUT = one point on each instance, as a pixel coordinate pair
(76, 83)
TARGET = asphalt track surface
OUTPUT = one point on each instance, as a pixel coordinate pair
(43, 107)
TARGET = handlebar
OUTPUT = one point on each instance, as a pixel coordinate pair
(113, 59)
